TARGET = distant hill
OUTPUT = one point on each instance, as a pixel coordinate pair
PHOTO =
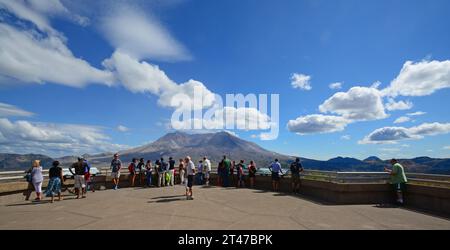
(9, 162)
(215, 145)
(372, 159)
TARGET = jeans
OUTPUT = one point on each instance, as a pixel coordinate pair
(199, 179)
(149, 179)
(226, 179)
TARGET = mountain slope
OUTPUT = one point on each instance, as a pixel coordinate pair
(214, 145)
(9, 162)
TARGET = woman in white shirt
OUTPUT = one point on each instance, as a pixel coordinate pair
(37, 178)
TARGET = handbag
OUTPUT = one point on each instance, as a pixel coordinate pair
(28, 177)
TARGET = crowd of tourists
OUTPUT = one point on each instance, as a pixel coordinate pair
(161, 173)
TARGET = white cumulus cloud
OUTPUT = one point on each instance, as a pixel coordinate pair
(33, 58)
(400, 105)
(53, 139)
(420, 79)
(335, 85)
(143, 77)
(358, 103)
(314, 124)
(390, 135)
(301, 81)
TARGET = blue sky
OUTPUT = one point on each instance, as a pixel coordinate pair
(66, 100)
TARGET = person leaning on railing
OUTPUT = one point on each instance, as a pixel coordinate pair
(36, 178)
(115, 167)
(296, 168)
(252, 173)
(275, 168)
(398, 179)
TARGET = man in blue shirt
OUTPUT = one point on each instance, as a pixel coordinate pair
(275, 168)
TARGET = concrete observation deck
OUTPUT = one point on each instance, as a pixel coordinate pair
(212, 208)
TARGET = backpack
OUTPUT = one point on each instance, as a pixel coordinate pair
(28, 177)
(167, 177)
(131, 168)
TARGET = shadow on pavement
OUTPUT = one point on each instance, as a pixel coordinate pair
(166, 197)
(168, 200)
(31, 203)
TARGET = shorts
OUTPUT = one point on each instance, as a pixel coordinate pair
(79, 181)
(207, 174)
(241, 178)
(275, 176)
(399, 187)
(115, 175)
(295, 178)
(190, 181)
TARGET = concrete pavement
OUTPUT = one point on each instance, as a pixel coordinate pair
(212, 208)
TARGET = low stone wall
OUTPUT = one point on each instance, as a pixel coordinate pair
(329, 192)
(435, 200)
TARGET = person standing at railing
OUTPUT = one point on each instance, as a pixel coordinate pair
(252, 173)
(37, 178)
(115, 167)
(190, 172)
(80, 182)
(398, 179)
(165, 169)
(199, 173)
(171, 171)
(159, 172)
(226, 164)
(206, 169)
(182, 171)
(54, 184)
(232, 168)
(275, 168)
(132, 171)
(149, 172)
(140, 171)
(296, 169)
(30, 188)
(220, 174)
(88, 177)
(240, 174)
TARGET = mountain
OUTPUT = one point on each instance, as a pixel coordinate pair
(9, 162)
(372, 159)
(215, 145)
